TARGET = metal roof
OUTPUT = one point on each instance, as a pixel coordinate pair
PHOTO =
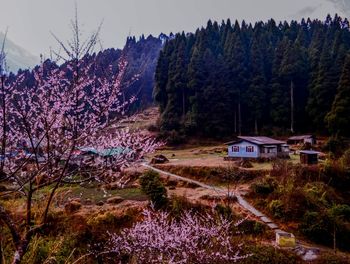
(301, 137)
(107, 152)
(258, 140)
(309, 152)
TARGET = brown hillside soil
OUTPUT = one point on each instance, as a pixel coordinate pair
(211, 174)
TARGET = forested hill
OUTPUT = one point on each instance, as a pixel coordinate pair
(142, 56)
(264, 78)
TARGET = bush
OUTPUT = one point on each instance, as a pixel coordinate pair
(335, 146)
(331, 258)
(251, 227)
(295, 204)
(268, 255)
(152, 186)
(175, 138)
(276, 208)
(281, 169)
(345, 159)
(224, 211)
(266, 186)
(315, 226)
(179, 204)
(153, 128)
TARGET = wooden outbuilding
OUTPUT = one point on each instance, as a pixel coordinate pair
(302, 139)
(308, 157)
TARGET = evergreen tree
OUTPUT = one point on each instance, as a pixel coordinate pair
(338, 119)
(256, 93)
(227, 79)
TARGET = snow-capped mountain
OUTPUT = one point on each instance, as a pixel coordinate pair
(16, 56)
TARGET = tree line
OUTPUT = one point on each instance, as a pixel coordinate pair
(234, 78)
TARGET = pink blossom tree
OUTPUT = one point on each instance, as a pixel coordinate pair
(193, 238)
(45, 126)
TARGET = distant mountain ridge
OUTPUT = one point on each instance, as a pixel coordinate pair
(17, 57)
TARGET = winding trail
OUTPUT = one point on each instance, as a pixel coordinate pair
(305, 252)
(241, 201)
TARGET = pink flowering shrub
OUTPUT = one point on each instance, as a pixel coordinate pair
(194, 238)
(63, 126)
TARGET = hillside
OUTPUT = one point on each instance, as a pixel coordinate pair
(141, 54)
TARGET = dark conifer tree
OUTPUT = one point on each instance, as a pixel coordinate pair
(338, 119)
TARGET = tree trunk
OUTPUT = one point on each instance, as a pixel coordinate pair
(292, 106)
(334, 239)
(2, 259)
(3, 143)
(235, 123)
(183, 104)
(239, 118)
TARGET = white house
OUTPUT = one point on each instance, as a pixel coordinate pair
(257, 147)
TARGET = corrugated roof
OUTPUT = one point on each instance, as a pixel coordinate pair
(309, 152)
(262, 140)
(107, 152)
(301, 137)
(258, 140)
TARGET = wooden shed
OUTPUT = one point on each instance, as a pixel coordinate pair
(308, 157)
(303, 139)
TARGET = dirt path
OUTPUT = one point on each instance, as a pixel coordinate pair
(306, 252)
(242, 202)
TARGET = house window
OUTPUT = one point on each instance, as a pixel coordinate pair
(249, 149)
(235, 149)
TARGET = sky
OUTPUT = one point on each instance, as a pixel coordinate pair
(30, 22)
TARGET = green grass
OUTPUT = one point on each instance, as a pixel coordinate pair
(190, 153)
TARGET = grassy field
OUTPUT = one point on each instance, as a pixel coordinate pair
(210, 156)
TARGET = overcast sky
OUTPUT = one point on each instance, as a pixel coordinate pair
(30, 21)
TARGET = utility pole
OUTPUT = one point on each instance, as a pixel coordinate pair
(239, 115)
(292, 106)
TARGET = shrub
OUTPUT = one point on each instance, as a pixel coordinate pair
(266, 186)
(281, 169)
(224, 211)
(179, 204)
(335, 174)
(194, 238)
(331, 258)
(175, 138)
(152, 186)
(295, 203)
(276, 208)
(153, 128)
(319, 226)
(335, 146)
(345, 159)
(315, 226)
(252, 227)
(268, 255)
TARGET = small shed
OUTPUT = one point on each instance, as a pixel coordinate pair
(308, 157)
